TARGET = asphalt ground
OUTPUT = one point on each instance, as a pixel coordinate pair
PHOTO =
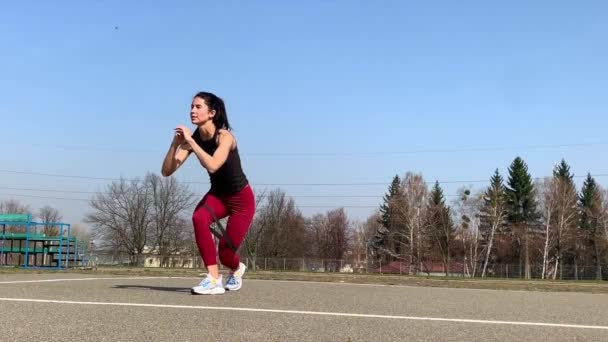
(73, 307)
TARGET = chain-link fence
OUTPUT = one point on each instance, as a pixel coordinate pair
(353, 265)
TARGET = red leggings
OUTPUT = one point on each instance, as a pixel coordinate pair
(241, 209)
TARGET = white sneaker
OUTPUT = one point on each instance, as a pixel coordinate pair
(209, 286)
(235, 279)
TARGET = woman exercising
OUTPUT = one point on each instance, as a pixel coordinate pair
(230, 194)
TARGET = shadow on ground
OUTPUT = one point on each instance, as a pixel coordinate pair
(154, 288)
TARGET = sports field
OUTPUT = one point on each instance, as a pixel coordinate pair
(57, 306)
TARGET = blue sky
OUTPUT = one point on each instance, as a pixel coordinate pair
(317, 92)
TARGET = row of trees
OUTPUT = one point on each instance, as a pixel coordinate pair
(522, 221)
(132, 215)
(545, 226)
(280, 230)
(154, 213)
(45, 215)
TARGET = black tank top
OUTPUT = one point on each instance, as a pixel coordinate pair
(229, 178)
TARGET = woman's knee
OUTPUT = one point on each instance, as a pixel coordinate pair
(226, 256)
(201, 218)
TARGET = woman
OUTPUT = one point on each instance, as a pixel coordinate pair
(230, 194)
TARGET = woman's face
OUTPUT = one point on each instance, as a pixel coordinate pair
(199, 112)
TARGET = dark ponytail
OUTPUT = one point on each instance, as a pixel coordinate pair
(220, 120)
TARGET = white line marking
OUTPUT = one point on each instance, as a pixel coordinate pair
(193, 277)
(317, 313)
(82, 279)
(321, 282)
(430, 288)
(440, 287)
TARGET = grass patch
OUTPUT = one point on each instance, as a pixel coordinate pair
(423, 281)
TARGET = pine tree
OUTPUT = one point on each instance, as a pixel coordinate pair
(562, 171)
(394, 191)
(492, 214)
(441, 224)
(566, 213)
(523, 214)
(590, 207)
(390, 219)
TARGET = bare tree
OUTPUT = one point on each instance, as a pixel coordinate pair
(547, 193)
(121, 216)
(317, 232)
(254, 236)
(13, 206)
(374, 235)
(169, 199)
(284, 227)
(48, 215)
(415, 194)
(79, 232)
(329, 234)
(467, 207)
(179, 239)
(604, 216)
(362, 235)
(339, 232)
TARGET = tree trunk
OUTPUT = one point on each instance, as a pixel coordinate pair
(418, 251)
(598, 262)
(561, 267)
(412, 268)
(475, 250)
(527, 254)
(419, 260)
(546, 249)
(253, 263)
(485, 264)
(447, 264)
(558, 263)
(521, 260)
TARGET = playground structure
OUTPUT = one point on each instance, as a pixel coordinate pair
(31, 249)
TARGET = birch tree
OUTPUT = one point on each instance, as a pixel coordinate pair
(413, 209)
(468, 215)
(493, 215)
(547, 197)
